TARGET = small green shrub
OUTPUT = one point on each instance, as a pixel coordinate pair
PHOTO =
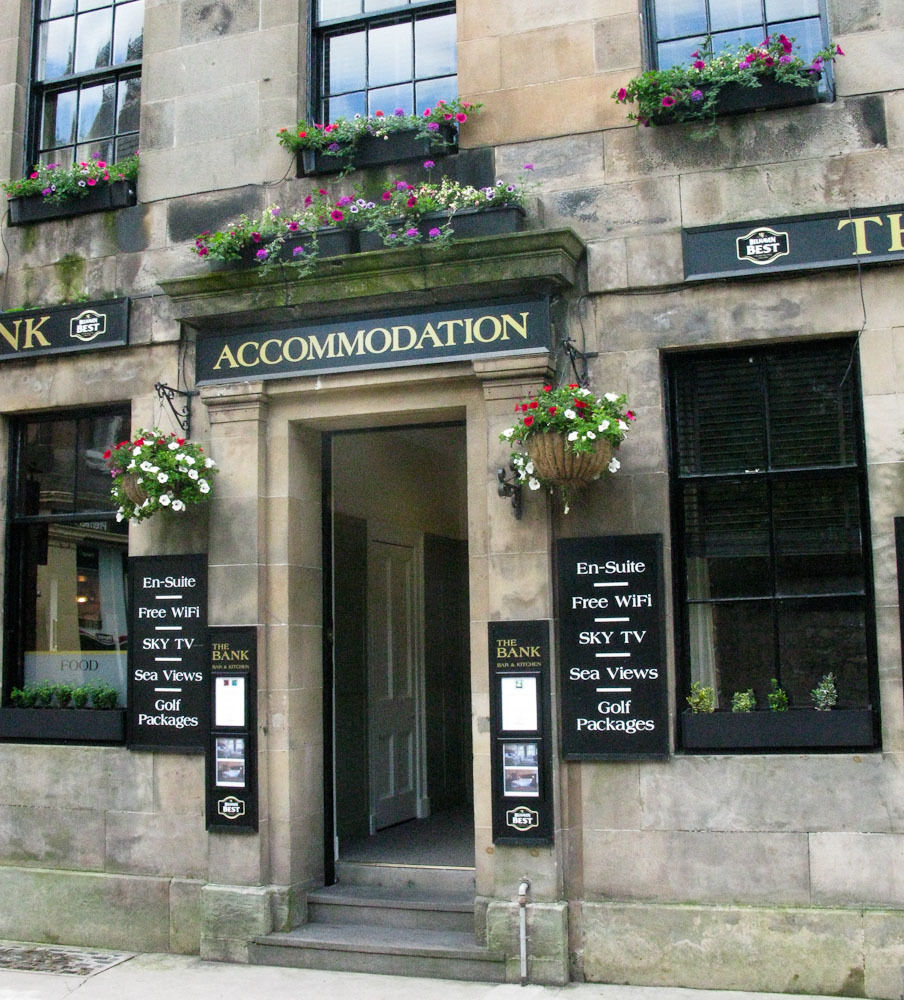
(777, 697)
(825, 694)
(701, 699)
(743, 701)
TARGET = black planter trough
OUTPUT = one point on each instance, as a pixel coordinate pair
(466, 224)
(69, 725)
(403, 146)
(797, 728)
(100, 198)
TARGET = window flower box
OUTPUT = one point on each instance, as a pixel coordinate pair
(74, 725)
(771, 94)
(401, 146)
(331, 241)
(465, 224)
(795, 729)
(101, 198)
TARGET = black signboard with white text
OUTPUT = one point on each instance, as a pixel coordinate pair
(232, 741)
(521, 764)
(613, 679)
(168, 688)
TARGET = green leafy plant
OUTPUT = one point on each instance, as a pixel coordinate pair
(103, 696)
(701, 698)
(80, 697)
(57, 183)
(777, 697)
(341, 137)
(156, 471)
(690, 92)
(825, 694)
(23, 697)
(47, 695)
(743, 701)
(62, 695)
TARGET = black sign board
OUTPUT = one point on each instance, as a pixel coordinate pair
(87, 326)
(519, 726)
(168, 689)
(232, 742)
(450, 334)
(832, 239)
(613, 679)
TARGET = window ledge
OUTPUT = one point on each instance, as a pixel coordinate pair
(71, 725)
(766, 731)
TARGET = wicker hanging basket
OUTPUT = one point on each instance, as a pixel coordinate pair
(555, 462)
(133, 489)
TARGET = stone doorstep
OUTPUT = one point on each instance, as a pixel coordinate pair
(57, 959)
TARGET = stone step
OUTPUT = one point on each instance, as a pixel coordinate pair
(392, 907)
(427, 878)
(387, 950)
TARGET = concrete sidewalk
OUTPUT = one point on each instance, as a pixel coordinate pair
(179, 977)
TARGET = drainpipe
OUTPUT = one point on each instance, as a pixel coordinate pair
(523, 889)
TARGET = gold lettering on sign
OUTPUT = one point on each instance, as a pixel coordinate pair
(859, 224)
(31, 334)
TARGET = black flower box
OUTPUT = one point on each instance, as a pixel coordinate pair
(331, 241)
(100, 198)
(402, 146)
(466, 224)
(795, 729)
(736, 99)
(64, 725)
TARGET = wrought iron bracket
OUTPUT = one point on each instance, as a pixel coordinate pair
(510, 488)
(574, 355)
(183, 416)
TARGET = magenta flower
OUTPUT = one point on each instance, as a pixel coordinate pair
(256, 237)
(262, 254)
(336, 215)
(838, 51)
(699, 64)
(412, 231)
(696, 95)
(434, 232)
(429, 164)
(667, 101)
(622, 94)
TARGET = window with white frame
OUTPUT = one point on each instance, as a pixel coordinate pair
(677, 28)
(86, 82)
(382, 55)
(770, 523)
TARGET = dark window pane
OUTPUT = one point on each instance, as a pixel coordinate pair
(58, 126)
(100, 150)
(680, 17)
(434, 46)
(128, 34)
(56, 49)
(128, 105)
(389, 54)
(726, 529)
(676, 53)
(47, 468)
(741, 642)
(818, 540)
(387, 99)
(734, 13)
(125, 146)
(95, 436)
(93, 36)
(816, 639)
(97, 107)
(806, 34)
(345, 63)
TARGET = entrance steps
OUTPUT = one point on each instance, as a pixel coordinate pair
(400, 920)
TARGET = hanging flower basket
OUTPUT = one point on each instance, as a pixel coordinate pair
(557, 464)
(156, 471)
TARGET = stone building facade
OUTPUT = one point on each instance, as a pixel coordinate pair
(763, 866)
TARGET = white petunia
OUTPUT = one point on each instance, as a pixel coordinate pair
(590, 436)
(573, 436)
(534, 484)
(622, 426)
(119, 514)
(136, 451)
(612, 397)
(614, 465)
(192, 473)
(130, 466)
(173, 445)
(145, 466)
(570, 414)
(529, 468)
(178, 505)
(202, 486)
(165, 500)
(162, 477)
(604, 426)
(209, 463)
(508, 432)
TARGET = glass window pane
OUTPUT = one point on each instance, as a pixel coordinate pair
(807, 36)
(56, 8)
(328, 9)
(58, 122)
(389, 54)
(96, 435)
(55, 49)
(346, 106)
(817, 536)
(737, 36)
(675, 53)
(675, 18)
(125, 146)
(95, 150)
(820, 638)
(344, 67)
(128, 105)
(726, 528)
(743, 648)
(83, 5)
(428, 92)
(97, 107)
(387, 99)
(47, 468)
(374, 5)
(779, 10)
(127, 36)
(93, 38)
(734, 13)
(73, 592)
(434, 46)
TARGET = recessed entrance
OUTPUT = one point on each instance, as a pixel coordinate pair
(399, 658)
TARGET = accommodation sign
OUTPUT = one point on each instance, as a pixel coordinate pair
(453, 334)
(28, 333)
(833, 239)
(169, 700)
(613, 675)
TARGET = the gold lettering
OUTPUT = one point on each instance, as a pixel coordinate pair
(369, 340)
(32, 331)
(11, 339)
(318, 350)
(225, 355)
(478, 329)
(431, 334)
(510, 323)
(450, 325)
(240, 354)
(268, 361)
(859, 224)
(353, 346)
(894, 220)
(397, 344)
(303, 349)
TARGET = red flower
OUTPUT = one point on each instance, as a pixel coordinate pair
(547, 388)
(533, 404)
(378, 114)
(528, 421)
(107, 453)
(553, 409)
(573, 385)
